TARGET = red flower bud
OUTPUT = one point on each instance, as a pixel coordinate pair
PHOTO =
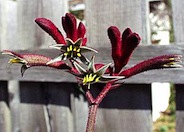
(51, 29)
(70, 26)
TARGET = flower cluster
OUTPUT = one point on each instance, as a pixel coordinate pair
(73, 45)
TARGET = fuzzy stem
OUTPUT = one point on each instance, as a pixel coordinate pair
(89, 97)
(94, 106)
(103, 93)
(91, 118)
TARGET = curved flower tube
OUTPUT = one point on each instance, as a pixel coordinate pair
(30, 60)
(160, 62)
(122, 46)
(75, 42)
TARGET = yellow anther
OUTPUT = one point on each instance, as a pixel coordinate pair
(75, 49)
(84, 80)
(78, 54)
(97, 79)
(70, 47)
(78, 50)
(172, 59)
(94, 77)
(14, 60)
(66, 53)
(90, 78)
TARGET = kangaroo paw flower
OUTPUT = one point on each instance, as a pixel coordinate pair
(30, 60)
(72, 50)
(160, 62)
(122, 47)
(92, 75)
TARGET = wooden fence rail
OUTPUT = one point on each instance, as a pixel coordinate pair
(45, 100)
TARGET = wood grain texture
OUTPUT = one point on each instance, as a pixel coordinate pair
(8, 25)
(100, 14)
(59, 106)
(27, 116)
(5, 116)
(29, 34)
(116, 120)
(179, 107)
(179, 121)
(104, 56)
(122, 107)
(79, 107)
(178, 19)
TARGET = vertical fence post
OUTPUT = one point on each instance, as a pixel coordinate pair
(178, 24)
(8, 25)
(179, 107)
(178, 20)
(100, 14)
(5, 118)
(29, 33)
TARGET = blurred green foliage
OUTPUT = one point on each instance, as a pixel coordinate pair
(166, 122)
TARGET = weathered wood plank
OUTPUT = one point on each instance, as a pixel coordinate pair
(27, 107)
(179, 107)
(5, 118)
(100, 14)
(141, 53)
(59, 106)
(130, 104)
(8, 25)
(79, 107)
(30, 35)
(178, 19)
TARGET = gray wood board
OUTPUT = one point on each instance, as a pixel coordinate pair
(104, 56)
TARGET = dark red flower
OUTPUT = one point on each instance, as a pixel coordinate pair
(122, 46)
(160, 62)
(69, 24)
(31, 60)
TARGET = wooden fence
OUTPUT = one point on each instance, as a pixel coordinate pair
(47, 100)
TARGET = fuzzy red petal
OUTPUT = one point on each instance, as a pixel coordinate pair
(130, 43)
(115, 38)
(81, 30)
(51, 29)
(69, 23)
(153, 63)
(40, 60)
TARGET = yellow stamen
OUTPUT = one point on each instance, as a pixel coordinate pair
(97, 79)
(78, 50)
(90, 78)
(14, 60)
(78, 54)
(70, 47)
(94, 77)
(75, 49)
(65, 54)
(172, 59)
(84, 80)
